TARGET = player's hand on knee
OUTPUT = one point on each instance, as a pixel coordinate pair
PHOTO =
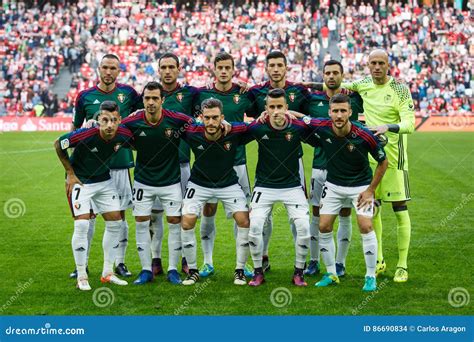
(71, 180)
(365, 199)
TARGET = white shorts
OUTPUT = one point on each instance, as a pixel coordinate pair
(243, 180)
(302, 176)
(185, 174)
(335, 197)
(318, 178)
(144, 196)
(102, 197)
(294, 199)
(196, 196)
(123, 184)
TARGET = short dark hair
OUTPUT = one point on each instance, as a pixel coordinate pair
(110, 56)
(276, 93)
(275, 54)
(109, 106)
(169, 55)
(223, 56)
(333, 62)
(212, 103)
(153, 85)
(339, 98)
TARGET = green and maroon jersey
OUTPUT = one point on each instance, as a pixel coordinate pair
(349, 161)
(182, 99)
(87, 107)
(278, 154)
(92, 154)
(157, 147)
(213, 165)
(235, 106)
(319, 108)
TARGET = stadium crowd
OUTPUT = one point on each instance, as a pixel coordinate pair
(429, 47)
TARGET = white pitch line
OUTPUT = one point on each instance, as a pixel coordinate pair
(28, 151)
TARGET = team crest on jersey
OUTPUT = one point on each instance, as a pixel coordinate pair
(292, 97)
(387, 98)
(350, 147)
(288, 136)
(236, 98)
(77, 205)
(227, 145)
(168, 132)
(117, 147)
(179, 97)
(121, 97)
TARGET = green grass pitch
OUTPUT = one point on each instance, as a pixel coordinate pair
(36, 256)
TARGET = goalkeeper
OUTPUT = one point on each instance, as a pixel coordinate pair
(389, 110)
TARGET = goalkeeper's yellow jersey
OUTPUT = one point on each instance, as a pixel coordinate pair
(390, 103)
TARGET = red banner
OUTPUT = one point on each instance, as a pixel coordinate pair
(29, 124)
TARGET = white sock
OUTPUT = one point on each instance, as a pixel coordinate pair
(110, 245)
(369, 244)
(242, 247)
(174, 245)
(267, 233)
(328, 251)
(123, 240)
(256, 240)
(301, 241)
(79, 246)
(314, 243)
(344, 235)
(157, 239)
(208, 236)
(90, 235)
(188, 240)
(143, 244)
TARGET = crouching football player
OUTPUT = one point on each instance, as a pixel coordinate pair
(88, 182)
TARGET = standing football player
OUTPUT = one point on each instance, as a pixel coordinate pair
(235, 105)
(298, 99)
(86, 108)
(349, 182)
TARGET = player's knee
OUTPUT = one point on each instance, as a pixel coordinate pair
(315, 210)
(345, 212)
(325, 227)
(399, 206)
(173, 219)
(112, 216)
(209, 209)
(142, 218)
(242, 219)
(188, 221)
